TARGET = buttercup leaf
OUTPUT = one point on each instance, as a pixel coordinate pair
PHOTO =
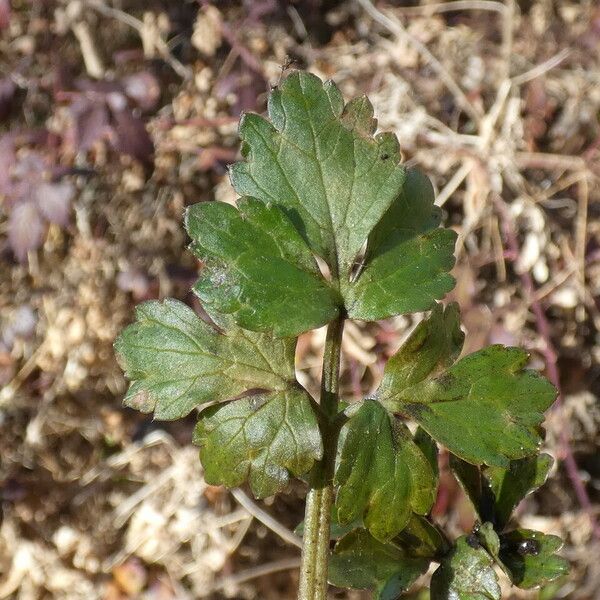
(486, 408)
(318, 162)
(176, 361)
(435, 343)
(511, 485)
(360, 561)
(261, 439)
(328, 173)
(529, 558)
(382, 474)
(256, 265)
(495, 491)
(408, 257)
(467, 573)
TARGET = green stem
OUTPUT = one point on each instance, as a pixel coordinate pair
(317, 522)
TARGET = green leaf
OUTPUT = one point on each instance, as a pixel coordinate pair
(408, 258)
(486, 408)
(496, 491)
(382, 474)
(322, 166)
(490, 540)
(511, 485)
(359, 561)
(435, 343)
(259, 439)
(421, 538)
(256, 266)
(467, 573)
(529, 557)
(340, 187)
(176, 361)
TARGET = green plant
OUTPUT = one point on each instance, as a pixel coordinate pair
(315, 181)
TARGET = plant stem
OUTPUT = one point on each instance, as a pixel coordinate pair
(315, 548)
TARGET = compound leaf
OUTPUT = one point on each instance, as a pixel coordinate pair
(260, 438)
(256, 265)
(339, 187)
(360, 561)
(467, 573)
(486, 408)
(176, 362)
(382, 474)
(529, 558)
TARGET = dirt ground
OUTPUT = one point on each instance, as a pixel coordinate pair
(119, 113)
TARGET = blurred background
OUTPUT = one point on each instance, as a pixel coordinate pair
(116, 114)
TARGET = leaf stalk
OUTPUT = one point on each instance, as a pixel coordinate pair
(317, 523)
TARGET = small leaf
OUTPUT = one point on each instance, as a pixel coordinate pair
(490, 540)
(529, 558)
(435, 343)
(176, 361)
(381, 473)
(421, 538)
(89, 123)
(467, 573)
(257, 267)
(25, 229)
(511, 485)
(486, 408)
(259, 438)
(407, 257)
(496, 491)
(359, 561)
(132, 137)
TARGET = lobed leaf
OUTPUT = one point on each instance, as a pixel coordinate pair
(407, 259)
(332, 177)
(529, 558)
(435, 343)
(176, 362)
(338, 187)
(382, 475)
(467, 573)
(360, 561)
(495, 491)
(256, 266)
(486, 408)
(511, 485)
(260, 439)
